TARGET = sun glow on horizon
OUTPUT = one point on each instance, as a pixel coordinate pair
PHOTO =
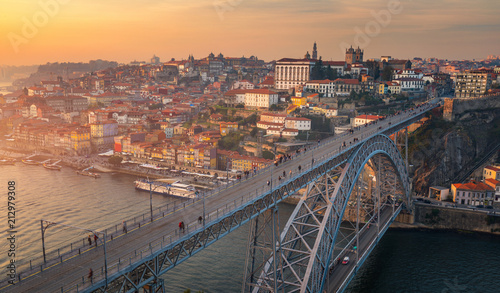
(36, 32)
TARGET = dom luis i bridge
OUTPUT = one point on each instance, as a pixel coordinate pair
(354, 186)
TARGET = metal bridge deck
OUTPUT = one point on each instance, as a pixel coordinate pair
(127, 251)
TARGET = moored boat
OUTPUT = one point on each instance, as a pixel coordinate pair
(87, 173)
(30, 162)
(52, 167)
(175, 189)
(7, 162)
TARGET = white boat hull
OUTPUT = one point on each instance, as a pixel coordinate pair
(163, 189)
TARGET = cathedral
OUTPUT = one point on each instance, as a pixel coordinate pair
(354, 55)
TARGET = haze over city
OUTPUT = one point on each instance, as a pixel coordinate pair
(37, 32)
(248, 145)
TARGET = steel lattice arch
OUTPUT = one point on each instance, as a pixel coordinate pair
(297, 270)
(306, 248)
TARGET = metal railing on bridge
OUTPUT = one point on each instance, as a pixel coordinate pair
(77, 248)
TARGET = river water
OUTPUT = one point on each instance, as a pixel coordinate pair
(404, 261)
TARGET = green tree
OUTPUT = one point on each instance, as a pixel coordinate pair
(267, 155)
(318, 72)
(274, 107)
(254, 131)
(230, 142)
(115, 160)
(156, 106)
(330, 73)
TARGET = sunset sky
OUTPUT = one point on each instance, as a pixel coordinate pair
(125, 30)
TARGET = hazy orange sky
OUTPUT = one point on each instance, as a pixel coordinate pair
(81, 30)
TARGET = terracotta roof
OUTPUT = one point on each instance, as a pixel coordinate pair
(298, 119)
(273, 115)
(492, 182)
(235, 92)
(347, 81)
(369, 117)
(474, 186)
(269, 123)
(492, 168)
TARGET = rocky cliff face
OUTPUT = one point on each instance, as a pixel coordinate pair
(441, 151)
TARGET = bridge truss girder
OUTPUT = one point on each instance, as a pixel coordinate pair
(308, 241)
(148, 270)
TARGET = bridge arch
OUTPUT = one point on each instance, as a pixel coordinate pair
(308, 240)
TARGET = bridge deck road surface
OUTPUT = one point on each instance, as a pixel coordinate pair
(52, 279)
(340, 272)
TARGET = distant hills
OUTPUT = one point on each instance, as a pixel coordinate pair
(30, 75)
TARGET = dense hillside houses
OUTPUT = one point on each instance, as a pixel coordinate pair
(219, 112)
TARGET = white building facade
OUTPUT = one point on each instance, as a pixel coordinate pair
(260, 98)
(290, 73)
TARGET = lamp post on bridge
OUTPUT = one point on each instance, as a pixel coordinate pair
(50, 223)
(151, 198)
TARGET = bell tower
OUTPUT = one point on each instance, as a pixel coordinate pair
(315, 51)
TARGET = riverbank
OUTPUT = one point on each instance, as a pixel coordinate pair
(440, 218)
(101, 164)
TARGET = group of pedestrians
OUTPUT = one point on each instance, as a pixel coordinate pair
(95, 240)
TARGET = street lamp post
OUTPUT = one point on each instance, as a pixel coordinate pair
(49, 223)
(151, 200)
(203, 208)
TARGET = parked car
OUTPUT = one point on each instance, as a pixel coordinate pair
(345, 260)
(480, 206)
(489, 207)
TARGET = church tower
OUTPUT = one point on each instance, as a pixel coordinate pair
(315, 51)
(359, 55)
(350, 56)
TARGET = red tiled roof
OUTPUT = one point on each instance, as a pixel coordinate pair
(347, 81)
(473, 185)
(273, 115)
(235, 92)
(298, 119)
(492, 168)
(269, 123)
(492, 182)
(369, 117)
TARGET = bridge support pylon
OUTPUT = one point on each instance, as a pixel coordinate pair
(263, 242)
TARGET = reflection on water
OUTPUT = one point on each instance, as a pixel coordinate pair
(404, 261)
(65, 197)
